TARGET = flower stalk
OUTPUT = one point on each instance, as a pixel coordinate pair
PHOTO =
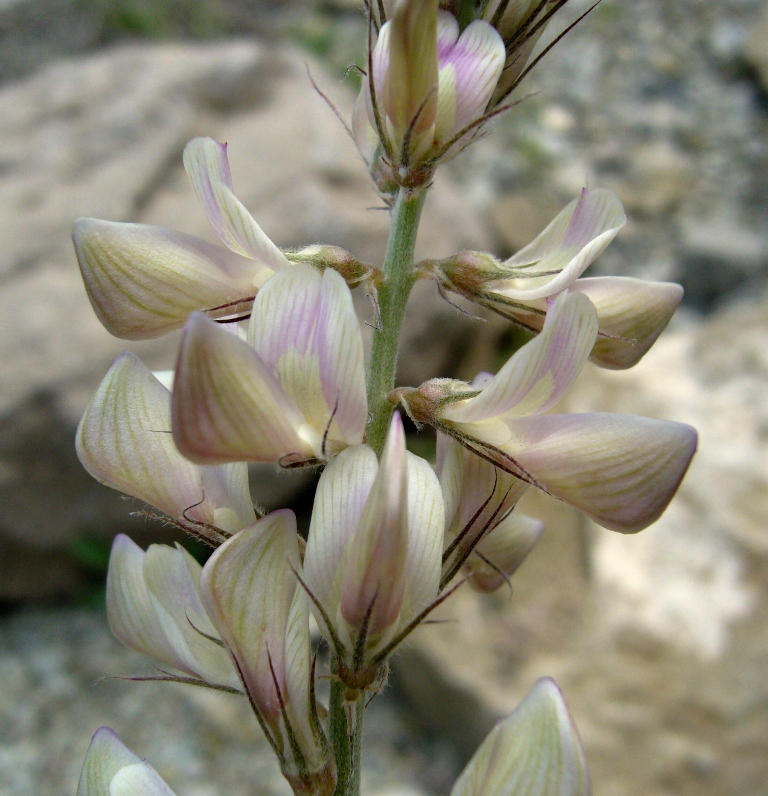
(393, 297)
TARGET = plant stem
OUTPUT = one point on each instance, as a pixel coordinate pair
(347, 738)
(393, 297)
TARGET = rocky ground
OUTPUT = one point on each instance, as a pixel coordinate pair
(659, 640)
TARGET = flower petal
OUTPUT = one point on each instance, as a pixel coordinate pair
(374, 580)
(504, 549)
(536, 751)
(123, 441)
(205, 161)
(144, 281)
(620, 470)
(632, 314)
(172, 578)
(538, 374)
(226, 404)
(139, 779)
(469, 71)
(564, 250)
(426, 523)
(340, 497)
(247, 588)
(131, 611)
(106, 755)
(304, 328)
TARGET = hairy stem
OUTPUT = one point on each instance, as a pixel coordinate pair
(393, 297)
(346, 724)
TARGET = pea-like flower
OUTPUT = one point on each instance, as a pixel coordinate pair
(112, 769)
(144, 281)
(429, 86)
(632, 313)
(536, 751)
(124, 441)
(620, 470)
(293, 393)
(373, 558)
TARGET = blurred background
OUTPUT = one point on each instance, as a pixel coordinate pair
(659, 641)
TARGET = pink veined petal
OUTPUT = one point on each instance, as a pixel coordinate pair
(227, 406)
(340, 497)
(374, 581)
(380, 62)
(144, 281)
(632, 313)
(123, 441)
(305, 329)
(536, 751)
(567, 247)
(620, 470)
(426, 523)
(476, 61)
(207, 166)
(247, 588)
(540, 373)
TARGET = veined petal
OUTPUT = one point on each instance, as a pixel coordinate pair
(515, 14)
(247, 589)
(304, 328)
(123, 441)
(131, 611)
(340, 497)
(374, 582)
(534, 752)
(298, 676)
(540, 372)
(139, 779)
(620, 470)
(144, 281)
(362, 130)
(474, 64)
(501, 552)
(106, 755)
(172, 578)
(227, 406)
(207, 166)
(230, 480)
(632, 313)
(564, 250)
(426, 522)
(409, 93)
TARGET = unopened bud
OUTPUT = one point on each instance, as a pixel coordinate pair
(337, 259)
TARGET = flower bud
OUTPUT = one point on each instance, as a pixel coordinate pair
(337, 259)
(535, 751)
(111, 769)
(373, 554)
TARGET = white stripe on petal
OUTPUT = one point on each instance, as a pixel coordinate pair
(106, 755)
(539, 373)
(340, 497)
(620, 470)
(227, 406)
(567, 247)
(144, 281)
(426, 523)
(139, 779)
(205, 161)
(534, 752)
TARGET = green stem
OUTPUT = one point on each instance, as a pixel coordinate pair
(393, 297)
(347, 739)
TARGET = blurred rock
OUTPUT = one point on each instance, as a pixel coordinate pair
(756, 49)
(660, 640)
(53, 698)
(103, 137)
